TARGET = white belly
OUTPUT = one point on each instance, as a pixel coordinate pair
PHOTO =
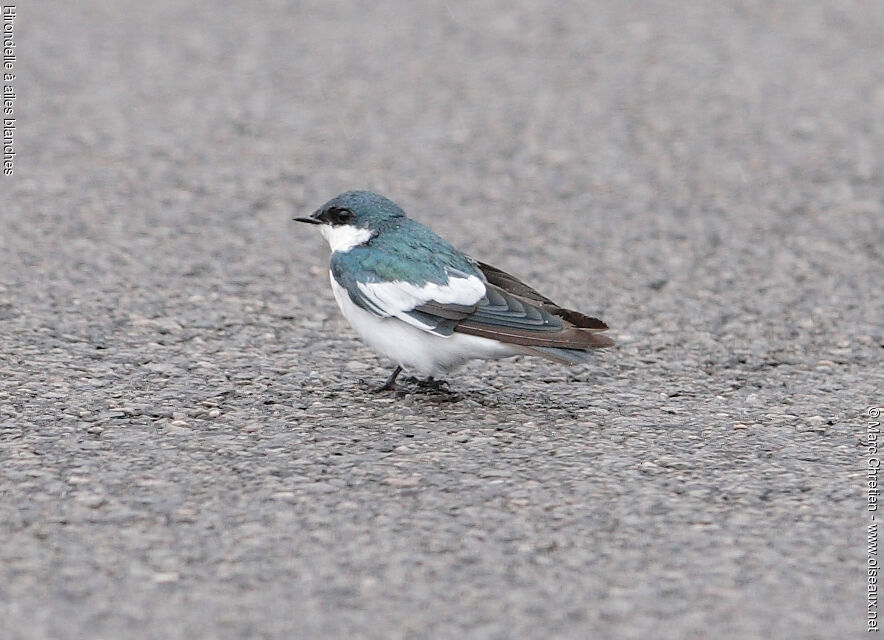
(413, 348)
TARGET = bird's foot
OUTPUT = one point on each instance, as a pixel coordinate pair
(390, 384)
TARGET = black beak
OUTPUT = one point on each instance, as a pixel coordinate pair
(314, 219)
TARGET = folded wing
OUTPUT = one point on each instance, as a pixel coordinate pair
(488, 303)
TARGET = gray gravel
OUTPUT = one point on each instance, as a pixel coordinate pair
(185, 447)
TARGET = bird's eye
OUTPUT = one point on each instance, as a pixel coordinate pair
(340, 216)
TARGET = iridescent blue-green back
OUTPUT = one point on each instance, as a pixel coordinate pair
(408, 252)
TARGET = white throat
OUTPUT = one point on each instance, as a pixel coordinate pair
(344, 237)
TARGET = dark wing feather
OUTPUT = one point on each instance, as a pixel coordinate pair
(447, 311)
(537, 328)
(513, 285)
(509, 283)
(516, 320)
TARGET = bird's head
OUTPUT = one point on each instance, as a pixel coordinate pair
(354, 217)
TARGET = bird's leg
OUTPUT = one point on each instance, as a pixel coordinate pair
(390, 384)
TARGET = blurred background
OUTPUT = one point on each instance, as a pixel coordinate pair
(593, 124)
(175, 376)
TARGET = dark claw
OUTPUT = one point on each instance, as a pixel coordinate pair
(430, 383)
(437, 385)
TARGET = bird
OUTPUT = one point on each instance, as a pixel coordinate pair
(430, 308)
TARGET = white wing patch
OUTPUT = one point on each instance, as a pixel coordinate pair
(397, 298)
(344, 237)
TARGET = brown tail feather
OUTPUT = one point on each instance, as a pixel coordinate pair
(562, 356)
(569, 338)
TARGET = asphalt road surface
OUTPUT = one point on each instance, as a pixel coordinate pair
(186, 449)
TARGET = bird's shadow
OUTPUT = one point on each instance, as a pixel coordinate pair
(442, 394)
(413, 391)
(436, 391)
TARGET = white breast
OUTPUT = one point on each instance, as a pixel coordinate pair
(413, 348)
